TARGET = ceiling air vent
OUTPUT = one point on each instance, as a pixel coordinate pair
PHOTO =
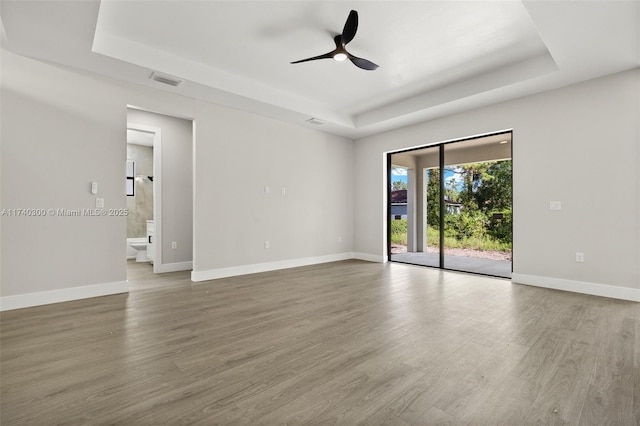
(315, 121)
(165, 79)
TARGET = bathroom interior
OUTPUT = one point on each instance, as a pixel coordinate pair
(140, 224)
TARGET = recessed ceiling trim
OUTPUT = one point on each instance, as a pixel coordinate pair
(586, 40)
(538, 66)
(138, 54)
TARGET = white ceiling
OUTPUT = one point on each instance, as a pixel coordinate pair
(435, 57)
(140, 137)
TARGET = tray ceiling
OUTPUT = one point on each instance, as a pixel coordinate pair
(435, 57)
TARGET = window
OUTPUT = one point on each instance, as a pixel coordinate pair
(131, 176)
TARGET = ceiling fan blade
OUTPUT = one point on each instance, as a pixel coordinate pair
(350, 27)
(325, 56)
(340, 53)
(362, 63)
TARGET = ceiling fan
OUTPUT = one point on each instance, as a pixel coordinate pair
(340, 52)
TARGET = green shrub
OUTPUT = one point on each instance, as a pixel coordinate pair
(466, 225)
(399, 226)
(500, 225)
(433, 236)
(483, 244)
(482, 240)
(451, 240)
(399, 232)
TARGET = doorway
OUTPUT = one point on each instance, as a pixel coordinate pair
(167, 184)
(144, 193)
(458, 201)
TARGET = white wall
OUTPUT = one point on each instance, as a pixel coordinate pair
(62, 129)
(238, 154)
(177, 183)
(578, 145)
(60, 132)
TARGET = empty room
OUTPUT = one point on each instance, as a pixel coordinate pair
(320, 212)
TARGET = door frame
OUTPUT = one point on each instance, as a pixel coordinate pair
(157, 188)
(441, 165)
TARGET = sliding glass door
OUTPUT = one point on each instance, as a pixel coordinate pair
(414, 217)
(478, 213)
(451, 205)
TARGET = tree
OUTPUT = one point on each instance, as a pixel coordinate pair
(495, 193)
(398, 185)
(486, 195)
(451, 192)
(471, 177)
(495, 198)
(484, 190)
(433, 198)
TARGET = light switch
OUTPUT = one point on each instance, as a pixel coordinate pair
(555, 205)
(99, 203)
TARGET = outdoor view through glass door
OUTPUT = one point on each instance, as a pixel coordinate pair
(465, 211)
(415, 211)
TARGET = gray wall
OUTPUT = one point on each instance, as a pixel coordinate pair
(238, 154)
(62, 129)
(577, 144)
(177, 182)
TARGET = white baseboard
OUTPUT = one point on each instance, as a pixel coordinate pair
(19, 301)
(370, 257)
(173, 267)
(614, 292)
(212, 274)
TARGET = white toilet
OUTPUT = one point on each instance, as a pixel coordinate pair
(140, 247)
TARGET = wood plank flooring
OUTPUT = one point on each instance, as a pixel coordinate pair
(342, 343)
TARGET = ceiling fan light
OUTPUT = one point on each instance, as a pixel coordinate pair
(340, 56)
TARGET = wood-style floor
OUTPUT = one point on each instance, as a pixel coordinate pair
(343, 343)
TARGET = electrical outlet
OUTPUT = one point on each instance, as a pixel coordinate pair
(174, 245)
(579, 257)
(267, 190)
(266, 244)
(555, 205)
(99, 203)
(284, 191)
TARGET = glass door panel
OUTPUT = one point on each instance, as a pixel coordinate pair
(478, 207)
(431, 217)
(414, 196)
